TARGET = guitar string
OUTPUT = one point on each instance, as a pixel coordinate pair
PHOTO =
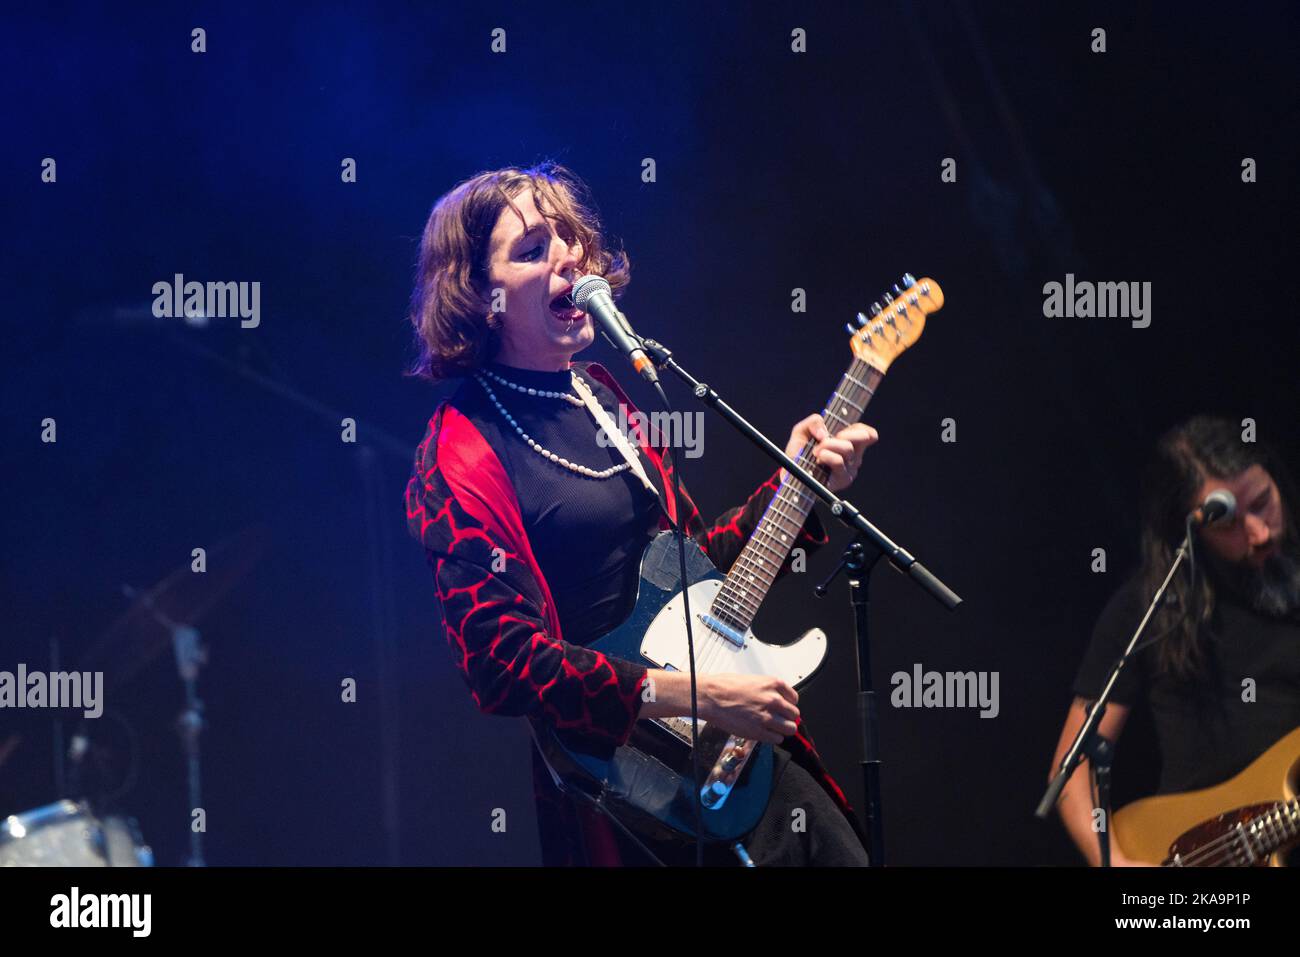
(1236, 835)
(714, 654)
(1288, 809)
(783, 509)
(738, 594)
(739, 598)
(724, 612)
(721, 611)
(717, 653)
(753, 574)
(873, 376)
(1284, 810)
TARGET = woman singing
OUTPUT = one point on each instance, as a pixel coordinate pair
(534, 529)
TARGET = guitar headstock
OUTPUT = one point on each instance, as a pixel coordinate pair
(894, 322)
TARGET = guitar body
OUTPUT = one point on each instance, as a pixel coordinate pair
(1169, 828)
(647, 783)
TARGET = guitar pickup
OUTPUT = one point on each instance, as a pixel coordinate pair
(723, 629)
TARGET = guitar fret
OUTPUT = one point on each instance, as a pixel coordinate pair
(861, 385)
(840, 401)
(744, 615)
(763, 556)
(723, 613)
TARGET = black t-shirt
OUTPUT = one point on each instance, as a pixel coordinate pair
(1206, 731)
(586, 533)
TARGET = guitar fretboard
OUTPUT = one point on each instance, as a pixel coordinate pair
(767, 549)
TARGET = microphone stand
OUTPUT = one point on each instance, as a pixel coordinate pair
(859, 569)
(1088, 741)
(859, 566)
(844, 510)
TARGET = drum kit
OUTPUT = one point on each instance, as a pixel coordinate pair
(67, 834)
(70, 832)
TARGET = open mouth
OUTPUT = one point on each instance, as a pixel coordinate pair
(564, 308)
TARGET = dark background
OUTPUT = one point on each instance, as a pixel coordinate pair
(775, 171)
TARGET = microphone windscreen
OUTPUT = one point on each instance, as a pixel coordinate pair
(586, 287)
(1221, 496)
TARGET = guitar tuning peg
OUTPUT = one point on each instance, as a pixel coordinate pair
(862, 320)
(875, 309)
(897, 291)
(888, 298)
(908, 280)
(848, 327)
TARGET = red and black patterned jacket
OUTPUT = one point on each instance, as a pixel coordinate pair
(502, 628)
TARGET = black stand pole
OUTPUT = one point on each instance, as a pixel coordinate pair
(1100, 751)
(859, 565)
(190, 724)
(190, 657)
(1086, 741)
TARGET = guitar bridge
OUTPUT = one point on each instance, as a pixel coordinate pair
(680, 728)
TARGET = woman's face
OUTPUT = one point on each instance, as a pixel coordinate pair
(529, 267)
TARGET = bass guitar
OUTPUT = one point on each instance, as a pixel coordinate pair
(1247, 821)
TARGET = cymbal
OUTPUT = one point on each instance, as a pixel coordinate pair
(141, 633)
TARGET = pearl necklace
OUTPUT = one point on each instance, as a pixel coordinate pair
(571, 399)
(532, 443)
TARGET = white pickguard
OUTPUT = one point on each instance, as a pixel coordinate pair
(665, 644)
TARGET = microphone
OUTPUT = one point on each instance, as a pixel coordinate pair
(592, 295)
(1218, 505)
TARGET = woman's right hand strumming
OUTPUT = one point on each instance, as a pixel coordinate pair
(756, 707)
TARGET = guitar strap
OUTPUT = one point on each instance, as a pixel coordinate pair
(617, 437)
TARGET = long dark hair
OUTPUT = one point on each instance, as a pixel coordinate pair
(1202, 448)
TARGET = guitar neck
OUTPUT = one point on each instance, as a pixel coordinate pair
(767, 549)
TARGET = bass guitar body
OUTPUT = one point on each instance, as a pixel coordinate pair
(1243, 822)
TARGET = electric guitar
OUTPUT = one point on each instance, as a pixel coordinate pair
(647, 783)
(1247, 821)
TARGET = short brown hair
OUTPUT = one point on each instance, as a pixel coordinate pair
(455, 334)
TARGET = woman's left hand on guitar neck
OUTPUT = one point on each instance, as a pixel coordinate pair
(841, 453)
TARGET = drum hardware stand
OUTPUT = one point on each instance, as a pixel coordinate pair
(374, 504)
(190, 657)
